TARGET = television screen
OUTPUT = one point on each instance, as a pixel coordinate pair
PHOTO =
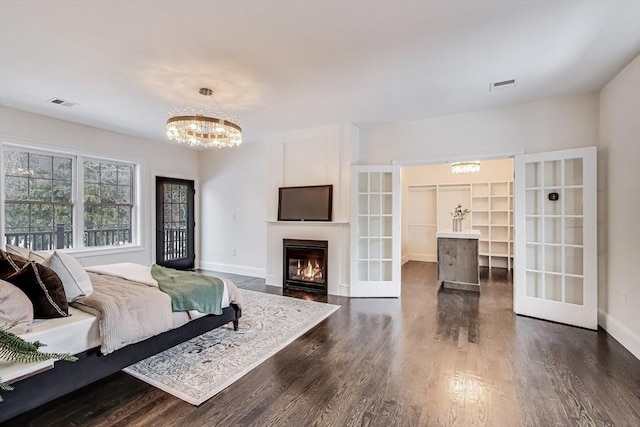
(312, 203)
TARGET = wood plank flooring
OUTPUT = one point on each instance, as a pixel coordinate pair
(434, 357)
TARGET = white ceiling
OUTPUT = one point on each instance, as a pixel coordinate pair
(284, 65)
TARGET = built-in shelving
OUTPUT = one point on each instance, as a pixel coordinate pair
(428, 210)
(492, 215)
(422, 221)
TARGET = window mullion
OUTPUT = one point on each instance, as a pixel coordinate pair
(50, 170)
(77, 198)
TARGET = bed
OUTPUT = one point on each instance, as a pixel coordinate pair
(80, 334)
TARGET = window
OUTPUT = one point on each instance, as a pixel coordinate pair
(108, 205)
(38, 207)
(43, 195)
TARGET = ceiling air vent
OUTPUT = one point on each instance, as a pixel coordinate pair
(63, 102)
(504, 84)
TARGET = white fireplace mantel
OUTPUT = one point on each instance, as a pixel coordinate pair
(318, 156)
(337, 234)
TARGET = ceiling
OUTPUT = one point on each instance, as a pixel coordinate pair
(285, 65)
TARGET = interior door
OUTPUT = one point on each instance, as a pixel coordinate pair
(175, 223)
(556, 253)
(375, 231)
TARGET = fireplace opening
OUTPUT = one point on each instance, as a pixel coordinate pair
(305, 265)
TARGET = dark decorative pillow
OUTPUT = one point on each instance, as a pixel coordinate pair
(44, 288)
(9, 264)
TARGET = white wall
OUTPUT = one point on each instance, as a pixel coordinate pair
(619, 207)
(490, 171)
(240, 233)
(154, 157)
(244, 181)
(234, 195)
(552, 124)
(312, 157)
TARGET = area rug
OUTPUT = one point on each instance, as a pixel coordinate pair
(198, 369)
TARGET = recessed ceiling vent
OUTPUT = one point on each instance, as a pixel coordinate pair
(63, 102)
(504, 84)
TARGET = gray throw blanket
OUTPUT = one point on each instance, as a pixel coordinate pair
(128, 311)
(189, 290)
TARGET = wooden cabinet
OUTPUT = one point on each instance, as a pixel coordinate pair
(458, 260)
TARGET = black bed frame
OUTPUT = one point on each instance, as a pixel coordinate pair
(92, 365)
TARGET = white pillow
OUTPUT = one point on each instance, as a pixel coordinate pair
(37, 256)
(18, 250)
(74, 277)
(16, 310)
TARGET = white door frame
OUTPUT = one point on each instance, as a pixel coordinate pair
(533, 301)
(485, 155)
(458, 157)
(376, 273)
(450, 158)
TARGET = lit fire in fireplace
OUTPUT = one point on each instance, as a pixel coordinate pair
(312, 271)
(305, 265)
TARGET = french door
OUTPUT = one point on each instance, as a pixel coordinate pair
(556, 239)
(175, 223)
(375, 231)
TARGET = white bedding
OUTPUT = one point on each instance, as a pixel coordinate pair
(142, 274)
(79, 332)
(72, 334)
(126, 270)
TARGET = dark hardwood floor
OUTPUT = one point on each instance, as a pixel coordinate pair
(434, 357)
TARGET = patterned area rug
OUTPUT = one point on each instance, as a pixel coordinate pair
(198, 369)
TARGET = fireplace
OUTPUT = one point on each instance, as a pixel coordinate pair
(305, 265)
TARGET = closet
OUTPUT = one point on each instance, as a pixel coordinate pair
(431, 192)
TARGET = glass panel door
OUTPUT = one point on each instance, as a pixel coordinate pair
(556, 235)
(175, 223)
(375, 225)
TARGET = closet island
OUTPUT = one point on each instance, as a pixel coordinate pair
(458, 266)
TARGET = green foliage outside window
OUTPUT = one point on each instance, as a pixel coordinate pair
(39, 200)
(38, 192)
(108, 189)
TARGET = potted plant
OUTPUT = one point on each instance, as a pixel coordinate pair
(15, 349)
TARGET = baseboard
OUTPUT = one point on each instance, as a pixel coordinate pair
(344, 290)
(422, 257)
(271, 280)
(405, 259)
(233, 269)
(621, 333)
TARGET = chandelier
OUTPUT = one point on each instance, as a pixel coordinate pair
(202, 130)
(465, 167)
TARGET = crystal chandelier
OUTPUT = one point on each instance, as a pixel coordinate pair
(202, 130)
(465, 167)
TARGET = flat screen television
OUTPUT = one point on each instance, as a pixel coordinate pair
(311, 203)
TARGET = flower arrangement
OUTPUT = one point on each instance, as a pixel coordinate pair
(459, 213)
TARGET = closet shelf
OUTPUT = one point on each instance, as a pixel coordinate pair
(493, 208)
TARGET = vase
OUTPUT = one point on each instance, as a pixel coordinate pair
(457, 224)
